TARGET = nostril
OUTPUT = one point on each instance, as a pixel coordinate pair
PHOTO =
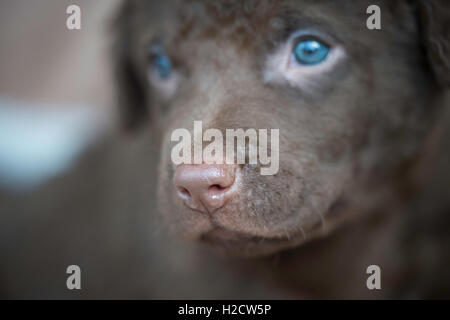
(184, 192)
(217, 187)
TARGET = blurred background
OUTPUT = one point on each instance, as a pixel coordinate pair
(55, 86)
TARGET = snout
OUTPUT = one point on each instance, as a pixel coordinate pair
(206, 188)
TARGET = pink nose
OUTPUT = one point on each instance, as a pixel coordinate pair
(205, 187)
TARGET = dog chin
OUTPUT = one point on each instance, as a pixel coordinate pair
(237, 244)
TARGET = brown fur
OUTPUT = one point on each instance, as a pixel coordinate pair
(348, 146)
(363, 163)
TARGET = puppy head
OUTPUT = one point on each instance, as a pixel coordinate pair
(352, 105)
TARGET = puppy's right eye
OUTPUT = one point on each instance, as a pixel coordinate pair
(161, 73)
(160, 62)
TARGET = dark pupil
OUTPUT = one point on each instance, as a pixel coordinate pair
(310, 50)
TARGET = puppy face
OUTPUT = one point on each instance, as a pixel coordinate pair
(350, 105)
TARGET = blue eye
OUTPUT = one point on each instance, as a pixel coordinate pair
(160, 62)
(162, 65)
(310, 52)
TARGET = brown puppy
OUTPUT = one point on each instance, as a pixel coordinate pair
(350, 125)
(363, 141)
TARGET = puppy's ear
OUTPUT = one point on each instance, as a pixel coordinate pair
(434, 17)
(130, 87)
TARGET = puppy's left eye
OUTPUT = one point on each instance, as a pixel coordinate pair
(310, 52)
(304, 59)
